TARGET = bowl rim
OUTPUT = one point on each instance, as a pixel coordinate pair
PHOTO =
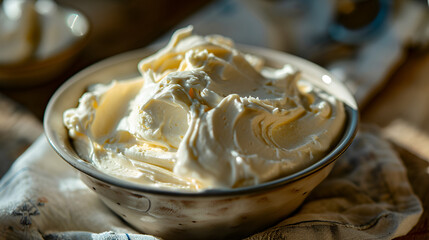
(349, 132)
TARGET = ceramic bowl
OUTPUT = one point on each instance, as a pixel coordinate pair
(214, 214)
(64, 33)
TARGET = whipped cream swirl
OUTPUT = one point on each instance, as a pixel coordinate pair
(204, 115)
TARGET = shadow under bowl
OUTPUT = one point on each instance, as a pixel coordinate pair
(212, 214)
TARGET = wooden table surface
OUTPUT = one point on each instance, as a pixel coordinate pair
(401, 108)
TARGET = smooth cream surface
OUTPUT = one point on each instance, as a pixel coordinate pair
(204, 115)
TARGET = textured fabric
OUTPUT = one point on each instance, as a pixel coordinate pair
(366, 196)
(41, 193)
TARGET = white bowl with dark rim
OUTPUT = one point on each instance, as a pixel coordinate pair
(223, 213)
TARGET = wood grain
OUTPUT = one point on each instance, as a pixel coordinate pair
(406, 96)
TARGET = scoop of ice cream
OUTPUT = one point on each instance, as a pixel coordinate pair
(205, 115)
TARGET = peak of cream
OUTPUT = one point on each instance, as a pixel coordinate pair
(204, 115)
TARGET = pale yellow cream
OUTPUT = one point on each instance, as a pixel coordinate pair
(204, 115)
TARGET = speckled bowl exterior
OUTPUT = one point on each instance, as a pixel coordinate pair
(208, 217)
(212, 214)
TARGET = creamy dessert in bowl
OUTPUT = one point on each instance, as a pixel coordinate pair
(202, 139)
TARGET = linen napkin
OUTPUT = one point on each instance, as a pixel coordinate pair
(41, 193)
(366, 196)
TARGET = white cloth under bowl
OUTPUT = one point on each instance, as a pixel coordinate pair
(366, 196)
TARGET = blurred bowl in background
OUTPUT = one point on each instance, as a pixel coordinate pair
(38, 41)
